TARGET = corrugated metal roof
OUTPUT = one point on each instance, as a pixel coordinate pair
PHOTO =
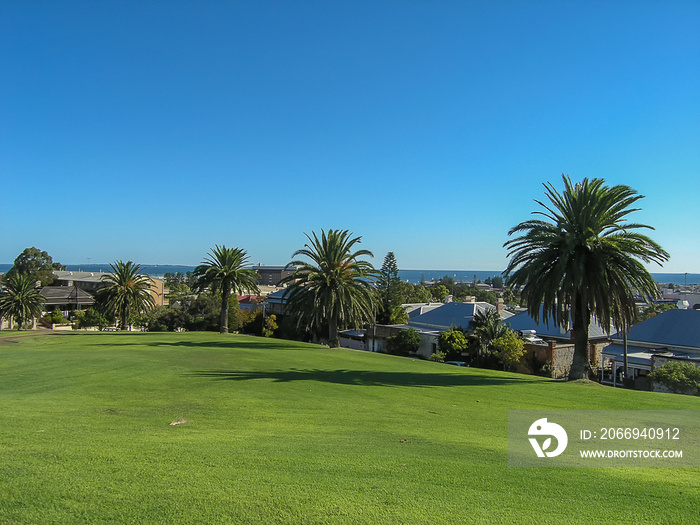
(94, 277)
(548, 328)
(65, 295)
(450, 315)
(679, 328)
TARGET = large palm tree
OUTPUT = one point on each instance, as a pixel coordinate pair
(584, 260)
(20, 300)
(335, 289)
(224, 270)
(126, 291)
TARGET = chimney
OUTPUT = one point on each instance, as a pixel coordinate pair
(448, 299)
(472, 299)
(499, 306)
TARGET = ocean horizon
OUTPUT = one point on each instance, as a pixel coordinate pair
(411, 276)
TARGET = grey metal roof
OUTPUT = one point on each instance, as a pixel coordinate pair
(450, 315)
(94, 277)
(673, 328)
(416, 309)
(643, 355)
(548, 328)
(55, 295)
(277, 297)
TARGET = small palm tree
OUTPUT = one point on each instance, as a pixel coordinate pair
(127, 291)
(584, 260)
(20, 300)
(485, 327)
(224, 270)
(335, 289)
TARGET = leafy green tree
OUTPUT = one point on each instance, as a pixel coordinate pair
(681, 378)
(439, 292)
(20, 300)
(179, 285)
(509, 349)
(126, 292)
(508, 296)
(452, 343)
(336, 288)
(250, 321)
(164, 319)
(270, 326)
(448, 282)
(414, 293)
(37, 264)
(403, 343)
(654, 309)
(89, 318)
(201, 312)
(584, 260)
(224, 271)
(174, 279)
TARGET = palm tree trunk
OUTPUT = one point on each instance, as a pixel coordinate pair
(333, 340)
(125, 317)
(223, 324)
(582, 319)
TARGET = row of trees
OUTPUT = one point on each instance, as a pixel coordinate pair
(581, 259)
(20, 299)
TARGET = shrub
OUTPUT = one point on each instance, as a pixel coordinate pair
(438, 357)
(270, 326)
(404, 342)
(452, 343)
(57, 317)
(92, 317)
(509, 349)
(678, 377)
(165, 319)
(250, 321)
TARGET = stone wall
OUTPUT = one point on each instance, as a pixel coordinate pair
(559, 356)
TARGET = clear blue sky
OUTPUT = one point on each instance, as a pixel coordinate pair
(153, 130)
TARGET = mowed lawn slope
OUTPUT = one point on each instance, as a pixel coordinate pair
(283, 432)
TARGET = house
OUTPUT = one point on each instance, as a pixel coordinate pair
(671, 335)
(683, 300)
(429, 320)
(452, 315)
(354, 339)
(276, 302)
(556, 345)
(92, 281)
(66, 298)
(416, 309)
(248, 302)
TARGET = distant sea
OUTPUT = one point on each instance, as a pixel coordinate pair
(412, 276)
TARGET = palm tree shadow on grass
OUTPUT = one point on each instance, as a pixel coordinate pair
(230, 344)
(365, 377)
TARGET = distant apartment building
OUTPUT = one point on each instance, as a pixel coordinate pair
(272, 275)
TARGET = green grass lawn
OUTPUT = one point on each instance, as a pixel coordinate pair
(283, 432)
